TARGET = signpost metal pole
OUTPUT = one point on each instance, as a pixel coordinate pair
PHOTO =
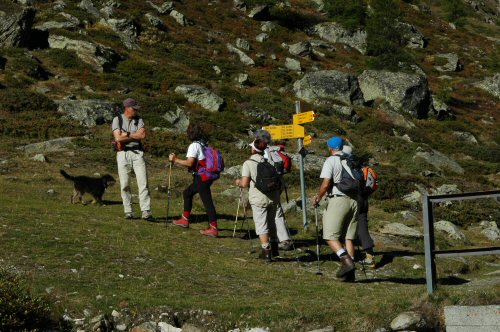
(301, 169)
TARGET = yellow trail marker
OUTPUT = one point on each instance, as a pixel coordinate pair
(307, 139)
(304, 117)
(285, 131)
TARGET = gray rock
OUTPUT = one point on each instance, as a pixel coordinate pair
(242, 79)
(126, 30)
(407, 216)
(335, 33)
(328, 85)
(260, 13)
(406, 92)
(472, 318)
(59, 5)
(234, 171)
(491, 85)
(242, 55)
(165, 8)
(268, 26)
(90, 112)
(179, 17)
(179, 120)
(396, 118)
(243, 44)
(39, 157)
(440, 161)
(165, 327)
(15, 29)
(466, 136)
(409, 321)
(89, 7)
(490, 230)
(345, 111)
(155, 21)
(300, 49)
(100, 57)
(413, 38)
(398, 229)
(240, 5)
(292, 64)
(201, 96)
(262, 37)
(45, 26)
(453, 231)
(446, 189)
(217, 70)
(441, 110)
(452, 63)
(312, 163)
(54, 145)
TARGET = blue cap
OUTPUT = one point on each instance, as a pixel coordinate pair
(335, 143)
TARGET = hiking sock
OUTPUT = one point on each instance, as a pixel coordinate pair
(341, 252)
(186, 215)
(266, 246)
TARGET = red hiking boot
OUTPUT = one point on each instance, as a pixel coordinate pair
(211, 231)
(181, 222)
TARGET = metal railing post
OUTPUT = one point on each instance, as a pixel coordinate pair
(430, 265)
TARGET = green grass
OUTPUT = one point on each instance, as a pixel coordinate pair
(138, 266)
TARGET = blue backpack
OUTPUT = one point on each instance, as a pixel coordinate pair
(214, 163)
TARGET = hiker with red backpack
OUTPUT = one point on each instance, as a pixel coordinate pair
(264, 196)
(205, 164)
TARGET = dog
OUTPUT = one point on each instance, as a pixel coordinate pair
(85, 184)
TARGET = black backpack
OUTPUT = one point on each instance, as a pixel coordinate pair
(350, 185)
(267, 179)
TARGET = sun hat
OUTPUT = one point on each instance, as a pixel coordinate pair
(129, 102)
(335, 143)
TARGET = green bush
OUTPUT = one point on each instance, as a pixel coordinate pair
(20, 311)
(21, 100)
(455, 10)
(350, 14)
(65, 58)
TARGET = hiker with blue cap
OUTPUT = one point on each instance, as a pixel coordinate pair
(340, 217)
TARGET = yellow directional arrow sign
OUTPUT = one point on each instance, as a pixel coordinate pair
(304, 117)
(307, 140)
(285, 131)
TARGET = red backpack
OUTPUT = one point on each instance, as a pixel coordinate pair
(280, 159)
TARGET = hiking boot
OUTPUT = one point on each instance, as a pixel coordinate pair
(285, 245)
(266, 255)
(210, 231)
(129, 216)
(181, 222)
(346, 267)
(369, 261)
(146, 215)
(350, 276)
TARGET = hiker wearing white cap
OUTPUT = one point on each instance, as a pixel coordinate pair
(128, 132)
(264, 204)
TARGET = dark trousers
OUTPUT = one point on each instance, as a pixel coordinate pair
(202, 188)
(363, 234)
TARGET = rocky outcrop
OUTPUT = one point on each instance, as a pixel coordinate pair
(89, 112)
(412, 37)
(398, 229)
(328, 86)
(300, 49)
(100, 57)
(451, 63)
(165, 8)
(71, 23)
(88, 5)
(54, 145)
(335, 33)
(260, 13)
(396, 118)
(292, 64)
(178, 119)
(155, 21)
(15, 29)
(242, 55)
(126, 30)
(491, 85)
(440, 161)
(201, 96)
(405, 92)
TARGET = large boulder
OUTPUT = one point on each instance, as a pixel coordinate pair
(491, 85)
(126, 30)
(335, 33)
(15, 29)
(89, 112)
(54, 145)
(328, 85)
(100, 57)
(201, 96)
(440, 161)
(405, 92)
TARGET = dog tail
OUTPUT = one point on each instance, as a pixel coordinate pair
(66, 175)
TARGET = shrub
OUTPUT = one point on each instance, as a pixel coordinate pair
(350, 14)
(455, 10)
(20, 100)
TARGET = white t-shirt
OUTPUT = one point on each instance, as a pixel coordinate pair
(195, 150)
(332, 169)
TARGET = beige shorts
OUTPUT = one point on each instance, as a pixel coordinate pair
(263, 218)
(340, 219)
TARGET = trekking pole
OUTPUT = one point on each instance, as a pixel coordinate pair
(168, 193)
(237, 212)
(317, 236)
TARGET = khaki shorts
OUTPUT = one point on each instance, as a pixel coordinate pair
(340, 219)
(264, 219)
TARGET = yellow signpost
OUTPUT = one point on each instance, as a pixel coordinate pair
(304, 117)
(307, 139)
(285, 131)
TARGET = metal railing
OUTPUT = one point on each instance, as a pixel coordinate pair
(429, 245)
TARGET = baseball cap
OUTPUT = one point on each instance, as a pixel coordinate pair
(335, 143)
(129, 102)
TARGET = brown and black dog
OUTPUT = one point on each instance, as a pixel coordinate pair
(86, 184)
